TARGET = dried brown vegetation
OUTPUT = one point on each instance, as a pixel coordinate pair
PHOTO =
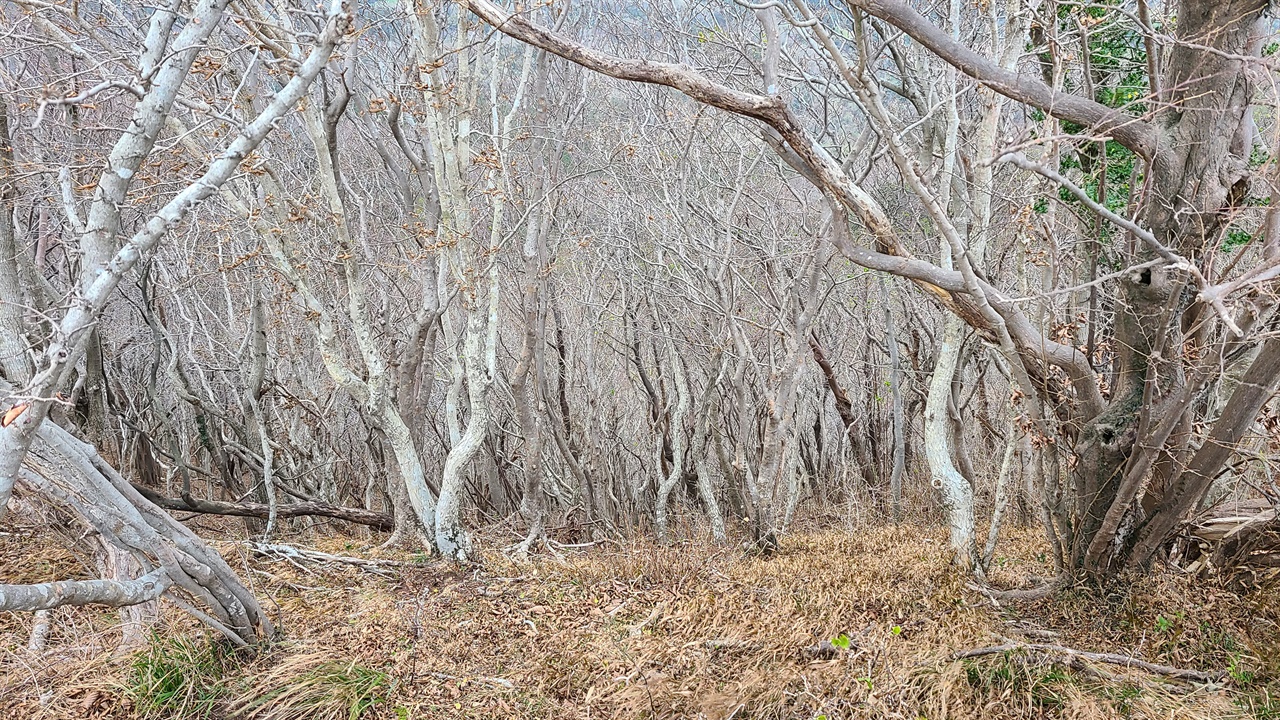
(836, 625)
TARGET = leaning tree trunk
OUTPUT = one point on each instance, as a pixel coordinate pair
(957, 493)
(71, 471)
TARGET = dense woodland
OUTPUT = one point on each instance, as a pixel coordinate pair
(476, 281)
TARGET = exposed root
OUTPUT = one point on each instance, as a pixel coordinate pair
(1071, 656)
(998, 596)
(764, 546)
(521, 550)
(404, 540)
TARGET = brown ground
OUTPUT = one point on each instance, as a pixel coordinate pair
(645, 631)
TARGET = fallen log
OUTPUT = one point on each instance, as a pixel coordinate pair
(296, 556)
(360, 516)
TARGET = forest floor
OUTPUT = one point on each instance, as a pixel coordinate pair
(836, 625)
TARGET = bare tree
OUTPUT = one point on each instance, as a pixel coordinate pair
(46, 457)
(1124, 436)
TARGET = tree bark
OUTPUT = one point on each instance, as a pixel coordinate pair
(112, 593)
(895, 387)
(15, 358)
(675, 430)
(844, 408)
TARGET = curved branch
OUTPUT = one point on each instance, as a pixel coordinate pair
(1139, 136)
(800, 151)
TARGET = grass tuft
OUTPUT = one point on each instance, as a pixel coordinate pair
(178, 677)
(313, 686)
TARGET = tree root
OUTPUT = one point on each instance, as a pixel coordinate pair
(996, 595)
(521, 550)
(1071, 656)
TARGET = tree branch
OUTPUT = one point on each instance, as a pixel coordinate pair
(800, 151)
(112, 593)
(1137, 135)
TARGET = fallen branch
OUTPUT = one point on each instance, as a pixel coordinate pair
(1032, 632)
(637, 630)
(297, 555)
(39, 632)
(1071, 655)
(360, 516)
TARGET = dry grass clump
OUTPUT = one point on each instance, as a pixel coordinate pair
(312, 686)
(837, 625)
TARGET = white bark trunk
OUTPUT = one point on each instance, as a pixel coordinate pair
(39, 632)
(957, 493)
(412, 475)
(452, 540)
(119, 565)
(676, 430)
(71, 472)
(1002, 496)
(15, 360)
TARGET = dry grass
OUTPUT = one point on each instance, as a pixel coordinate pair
(690, 631)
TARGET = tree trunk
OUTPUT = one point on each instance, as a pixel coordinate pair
(676, 432)
(957, 493)
(71, 471)
(15, 358)
(452, 539)
(895, 387)
(706, 416)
